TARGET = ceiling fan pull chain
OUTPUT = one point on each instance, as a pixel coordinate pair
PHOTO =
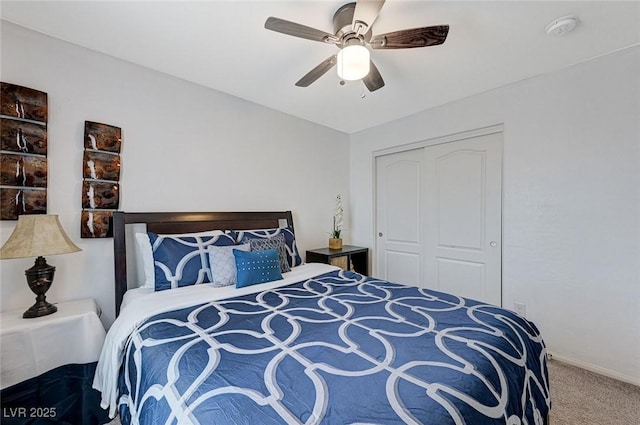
(363, 93)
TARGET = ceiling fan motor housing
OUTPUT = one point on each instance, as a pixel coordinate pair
(343, 27)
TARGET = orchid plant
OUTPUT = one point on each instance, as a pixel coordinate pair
(337, 218)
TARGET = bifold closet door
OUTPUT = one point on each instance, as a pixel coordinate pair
(399, 242)
(439, 217)
(463, 191)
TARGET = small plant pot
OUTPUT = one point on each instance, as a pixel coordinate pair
(335, 243)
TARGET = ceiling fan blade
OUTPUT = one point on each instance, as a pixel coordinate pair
(365, 15)
(298, 30)
(318, 71)
(373, 81)
(406, 39)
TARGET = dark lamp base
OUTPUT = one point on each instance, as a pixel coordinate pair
(40, 309)
(39, 278)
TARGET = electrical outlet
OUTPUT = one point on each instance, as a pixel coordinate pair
(520, 308)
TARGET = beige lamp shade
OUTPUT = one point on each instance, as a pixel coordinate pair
(37, 235)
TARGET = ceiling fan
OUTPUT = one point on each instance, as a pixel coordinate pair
(352, 33)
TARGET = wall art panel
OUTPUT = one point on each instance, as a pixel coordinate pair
(23, 170)
(23, 137)
(19, 201)
(22, 102)
(100, 195)
(101, 166)
(23, 148)
(102, 137)
(97, 224)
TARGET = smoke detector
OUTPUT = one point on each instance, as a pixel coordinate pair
(562, 26)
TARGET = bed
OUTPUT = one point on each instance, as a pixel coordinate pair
(317, 345)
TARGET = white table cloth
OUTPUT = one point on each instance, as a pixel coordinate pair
(31, 347)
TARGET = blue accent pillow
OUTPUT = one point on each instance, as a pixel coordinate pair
(183, 261)
(257, 267)
(293, 256)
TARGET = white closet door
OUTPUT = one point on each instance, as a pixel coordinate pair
(399, 243)
(439, 217)
(463, 191)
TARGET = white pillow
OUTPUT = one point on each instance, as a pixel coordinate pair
(223, 264)
(146, 253)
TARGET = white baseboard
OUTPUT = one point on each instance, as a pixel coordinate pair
(595, 369)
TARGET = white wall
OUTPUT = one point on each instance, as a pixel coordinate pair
(571, 193)
(185, 148)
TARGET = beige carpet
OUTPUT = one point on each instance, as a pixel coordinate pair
(579, 397)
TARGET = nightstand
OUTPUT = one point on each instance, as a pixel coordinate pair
(356, 256)
(48, 364)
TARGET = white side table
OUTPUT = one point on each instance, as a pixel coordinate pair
(31, 347)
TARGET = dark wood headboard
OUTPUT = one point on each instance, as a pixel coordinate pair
(183, 222)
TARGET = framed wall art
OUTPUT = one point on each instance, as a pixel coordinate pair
(23, 144)
(101, 176)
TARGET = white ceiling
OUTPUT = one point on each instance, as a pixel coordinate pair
(223, 45)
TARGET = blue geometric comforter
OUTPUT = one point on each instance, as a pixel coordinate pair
(336, 349)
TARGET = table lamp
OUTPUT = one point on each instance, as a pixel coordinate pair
(35, 236)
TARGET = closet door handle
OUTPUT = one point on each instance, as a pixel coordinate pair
(493, 244)
(380, 234)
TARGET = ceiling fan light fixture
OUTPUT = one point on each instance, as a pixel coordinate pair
(353, 62)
